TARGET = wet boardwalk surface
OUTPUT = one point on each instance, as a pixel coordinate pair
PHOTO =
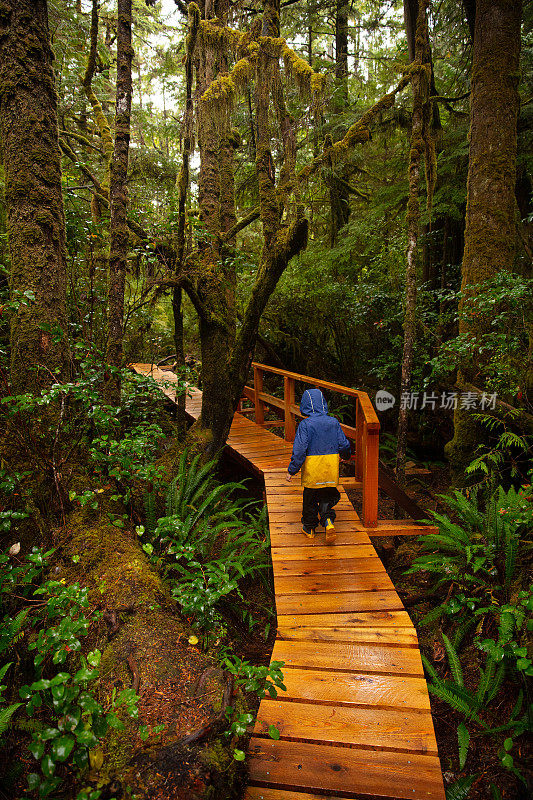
(355, 720)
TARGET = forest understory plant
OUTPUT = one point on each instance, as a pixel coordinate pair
(480, 565)
(207, 543)
(60, 708)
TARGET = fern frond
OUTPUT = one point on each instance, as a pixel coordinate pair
(433, 615)
(5, 716)
(496, 683)
(453, 700)
(453, 660)
(460, 789)
(461, 631)
(463, 738)
(486, 677)
(432, 672)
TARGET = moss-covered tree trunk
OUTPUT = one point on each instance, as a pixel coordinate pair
(35, 216)
(490, 232)
(118, 227)
(421, 147)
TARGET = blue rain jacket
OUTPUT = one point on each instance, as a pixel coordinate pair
(318, 443)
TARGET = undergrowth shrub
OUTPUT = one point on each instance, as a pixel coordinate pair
(479, 563)
(208, 541)
(59, 708)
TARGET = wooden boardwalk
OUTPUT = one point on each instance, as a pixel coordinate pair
(355, 720)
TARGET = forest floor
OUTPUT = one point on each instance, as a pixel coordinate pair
(182, 684)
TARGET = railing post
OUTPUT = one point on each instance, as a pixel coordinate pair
(359, 419)
(258, 387)
(289, 398)
(370, 448)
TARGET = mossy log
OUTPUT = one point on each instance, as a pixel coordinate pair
(147, 647)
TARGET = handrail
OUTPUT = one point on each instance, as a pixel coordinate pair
(365, 434)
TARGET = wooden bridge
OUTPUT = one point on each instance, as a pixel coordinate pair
(355, 720)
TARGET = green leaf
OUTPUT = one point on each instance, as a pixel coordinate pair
(94, 657)
(36, 748)
(86, 738)
(508, 744)
(48, 766)
(463, 737)
(85, 674)
(61, 677)
(144, 732)
(273, 732)
(58, 692)
(61, 748)
(34, 781)
(239, 755)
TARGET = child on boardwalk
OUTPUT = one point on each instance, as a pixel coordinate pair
(318, 444)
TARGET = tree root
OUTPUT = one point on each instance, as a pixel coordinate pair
(217, 724)
(112, 619)
(132, 664)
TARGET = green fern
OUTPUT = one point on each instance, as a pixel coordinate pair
(5, 716)
(452, 698)
(496, 683)
(433, 615)
(432, 672)
(453, 660)
(150, 512)
(462, 630)
(460, 789)
(463, 738)
(486, 679)
(496, 793)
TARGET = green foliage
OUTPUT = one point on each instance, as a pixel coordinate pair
(478, 562)
(460, 789)
(207, 542)
(257, 679)
(478, 554)
(501, 306)
(70, 718)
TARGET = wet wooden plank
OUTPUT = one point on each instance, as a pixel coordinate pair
(324, 566)
(324, 552)
(322, 768)
(365, 619)
(338, 602)
(345, 582)
(264, 793)
(354, 688)
(282, 536)
(353, 656)
(376, 727)
(392, 637)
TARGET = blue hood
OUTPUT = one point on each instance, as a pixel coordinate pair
(313, 402)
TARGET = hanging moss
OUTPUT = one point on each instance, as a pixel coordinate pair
(221, 92)
(306, 78)
(221, 39)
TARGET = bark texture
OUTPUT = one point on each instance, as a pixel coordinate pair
(118, 226)
(421, 147)
(35, 216)
(490, 234)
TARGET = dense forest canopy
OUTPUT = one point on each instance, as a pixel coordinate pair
(336, 189)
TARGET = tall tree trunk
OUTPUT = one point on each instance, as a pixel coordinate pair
(490, 232)
(420, 146)
(35, 216)
(341, 51)
(339, 194)
(118, 228)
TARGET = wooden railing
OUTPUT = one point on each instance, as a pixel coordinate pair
(365, 435)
